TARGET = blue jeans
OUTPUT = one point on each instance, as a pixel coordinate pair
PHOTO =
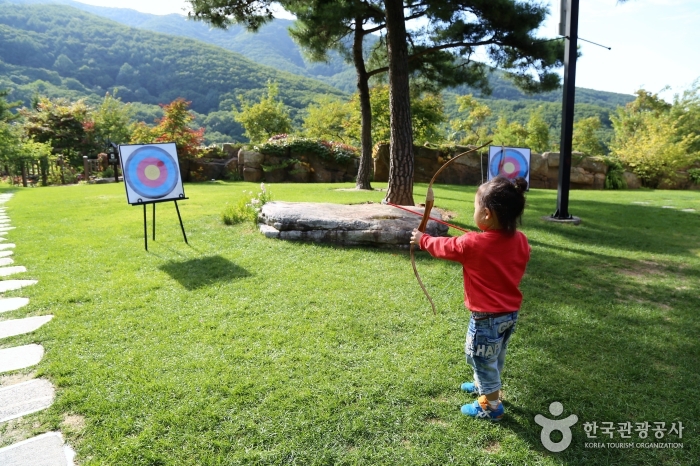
(487, 341)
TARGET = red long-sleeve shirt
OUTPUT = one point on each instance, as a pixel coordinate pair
(493, 263)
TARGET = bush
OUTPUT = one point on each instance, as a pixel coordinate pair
(614, 178)
(328, 150)
(247, 208)
(694, 175)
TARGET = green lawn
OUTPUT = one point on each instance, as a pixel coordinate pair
(239, 349)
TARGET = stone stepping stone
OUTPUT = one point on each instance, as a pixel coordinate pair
(6, 261)
(7, 228)
(10, 328)
(5, 271)
(43, 450)
(5, 253)
(20, 357)
(7, 246)
(687, 210)
(667, 207)
(12, 304)
(9, 285)
(25, 398)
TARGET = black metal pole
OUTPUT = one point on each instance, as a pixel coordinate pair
(154, 221)
(567, 119)
(145, 228)
(181, 225)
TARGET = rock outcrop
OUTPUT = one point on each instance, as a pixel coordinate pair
(361, 224)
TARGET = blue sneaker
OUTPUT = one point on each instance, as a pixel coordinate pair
(481, 409)
(470, 387)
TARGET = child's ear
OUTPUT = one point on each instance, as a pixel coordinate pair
(487, 213)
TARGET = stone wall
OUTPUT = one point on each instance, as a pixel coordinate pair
(586, 172)
(295, 168)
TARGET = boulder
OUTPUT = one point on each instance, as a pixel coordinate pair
(360, 224)
(552, 159)
(593, 165)
(632, 180)
(251, 159)
(581, 176)
(252, 174)
(598, 181)
(538, 164)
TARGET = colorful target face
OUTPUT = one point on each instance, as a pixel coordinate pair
(151, 172)
(511, 162)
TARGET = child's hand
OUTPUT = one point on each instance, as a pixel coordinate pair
(416, 236)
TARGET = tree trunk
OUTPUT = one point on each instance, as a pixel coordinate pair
(363, 173)
(24, 174)
(401, 140)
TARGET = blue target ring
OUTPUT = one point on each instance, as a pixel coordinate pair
(151, 172)
(509, 163)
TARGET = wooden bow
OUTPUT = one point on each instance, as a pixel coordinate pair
(429, 202)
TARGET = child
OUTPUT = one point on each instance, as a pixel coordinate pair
(493, 263)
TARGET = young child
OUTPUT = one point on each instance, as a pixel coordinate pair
(493, 263)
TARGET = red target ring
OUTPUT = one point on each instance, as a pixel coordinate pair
(151, 172)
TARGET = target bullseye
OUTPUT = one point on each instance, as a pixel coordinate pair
(510, 163)
(151, 172)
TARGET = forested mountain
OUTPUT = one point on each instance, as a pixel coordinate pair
(272, 46)
(58, 50)
(73, 50)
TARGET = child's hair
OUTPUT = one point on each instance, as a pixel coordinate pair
(504, 198)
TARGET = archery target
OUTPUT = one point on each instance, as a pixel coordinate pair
(151, 172)
(511, 162)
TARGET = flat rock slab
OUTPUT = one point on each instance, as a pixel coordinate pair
(6, 253)
(25, 398)
(12, 304)
(10, 328)
(44, 450)
(7, 246)
(5, 260)
(5, 271)
(7, 228)
(20, 357)
(360, 224)
(9, 285)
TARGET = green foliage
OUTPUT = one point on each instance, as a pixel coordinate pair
(246, 208)
(173, 127)
(509, 134)
(614, 178)
(283, 146)
(470, 128)
(265, 118)
(427, 114)
(326, 119)
(585, 138)
(537, 132)
(66, 126)
(160, 67)
(649, 138)
(694, 175)
(113, 120)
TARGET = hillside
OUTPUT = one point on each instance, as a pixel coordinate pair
(58, 50)
(272, 46)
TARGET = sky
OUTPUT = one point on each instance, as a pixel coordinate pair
(654, 43)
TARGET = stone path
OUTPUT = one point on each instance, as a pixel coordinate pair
(20, 399)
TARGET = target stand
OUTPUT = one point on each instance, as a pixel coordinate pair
(152, 175)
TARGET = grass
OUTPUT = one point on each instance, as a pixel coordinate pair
(239, 349)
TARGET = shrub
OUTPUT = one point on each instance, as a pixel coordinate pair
(614, 178)
(694, 175)
(328, 150)
(247, 207)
